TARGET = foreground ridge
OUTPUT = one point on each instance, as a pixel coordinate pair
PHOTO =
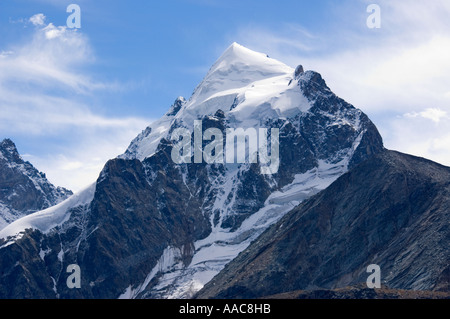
(390, 210)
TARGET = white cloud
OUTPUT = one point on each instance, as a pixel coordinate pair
(434, 114)
(52, 32)
(421, 136)
(38, 19)
(5, 54)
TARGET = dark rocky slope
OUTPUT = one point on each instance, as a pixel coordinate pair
(392, 210)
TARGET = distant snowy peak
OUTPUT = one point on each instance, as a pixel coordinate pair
(8, 151)
(23, 189)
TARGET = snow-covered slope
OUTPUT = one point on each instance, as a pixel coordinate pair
(49, 218)
(177, 280)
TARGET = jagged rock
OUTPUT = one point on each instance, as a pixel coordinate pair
(177, 105)
(298, 71)
(23, 189)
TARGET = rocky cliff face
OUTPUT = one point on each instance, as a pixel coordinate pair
(23, 189)
(392, 210)
(150, 228)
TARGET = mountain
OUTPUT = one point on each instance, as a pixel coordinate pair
(392, 210)
(152, 226)
(23, 189)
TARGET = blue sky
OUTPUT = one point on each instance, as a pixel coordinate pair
(72, 99)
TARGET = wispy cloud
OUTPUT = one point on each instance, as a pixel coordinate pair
(433, 114)
(51, 58)
(38, 19)
(288, 40)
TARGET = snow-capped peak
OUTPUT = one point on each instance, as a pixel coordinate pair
(254, 62)
(236, 68)
(249, 86)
